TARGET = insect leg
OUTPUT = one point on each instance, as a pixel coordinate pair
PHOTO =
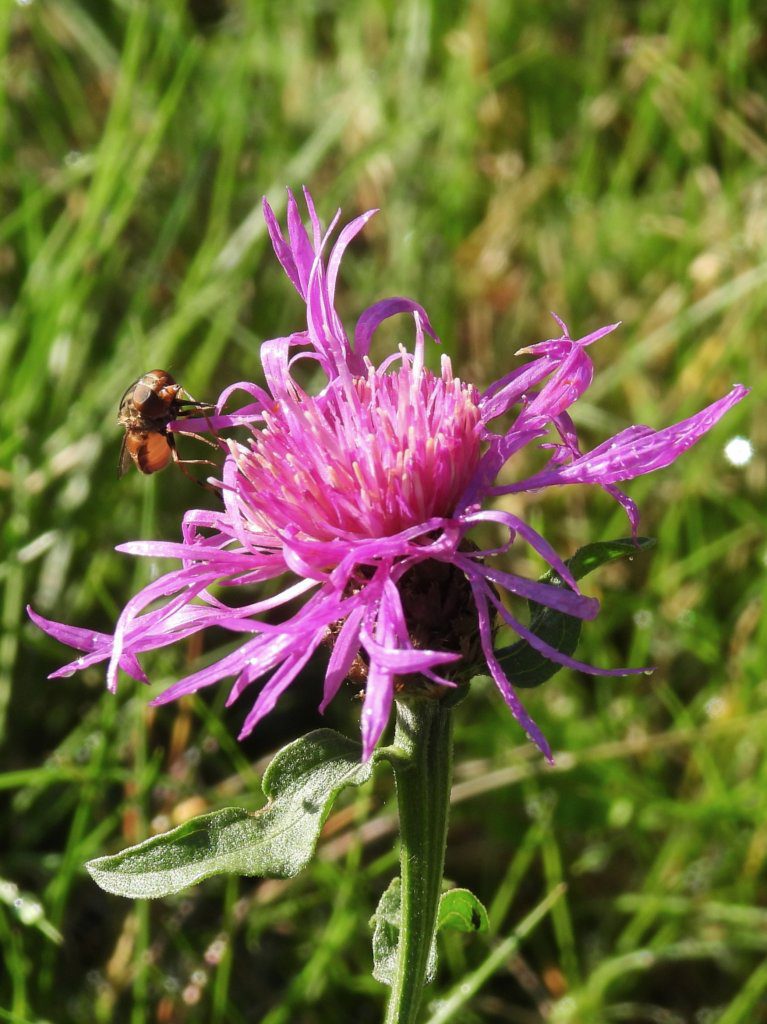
(183, 463)
(199, 437)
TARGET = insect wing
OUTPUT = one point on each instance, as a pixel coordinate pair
(125, 457)
(126, 403)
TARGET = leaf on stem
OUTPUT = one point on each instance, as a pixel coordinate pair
(301, 784)
(458, 908)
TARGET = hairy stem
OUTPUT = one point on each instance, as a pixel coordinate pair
(424, 736)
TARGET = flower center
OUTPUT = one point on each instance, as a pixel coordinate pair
(367, 458)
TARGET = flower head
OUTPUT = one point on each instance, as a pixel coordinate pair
(361, 497)
(371, 456)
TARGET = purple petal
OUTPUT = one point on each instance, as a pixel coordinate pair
(98, 646)
(325, 329)
(227, 561)
(300, 247)
(188, 582)
(629, 506)
(229, 665)
(568, 382)
(554, 345)
(375, 315)
(500, 450)
(480, 590)
(439, 680)
(314, 219)
(379, 694)
(567, 431)
(272, 652)
(345, 650)
(552, 653)
(209, 424)
(506, 392)
(569, 435)
(533, 538)
(379, 690)
(266, 604)
(263, 398)
(72, 636)
(637, 450)
(542, 593)
(275, 361)
(280, 641)
(346, 236)
(281, 247)
(131, 667)
(403, 662)
(277, 685)
(601, 332)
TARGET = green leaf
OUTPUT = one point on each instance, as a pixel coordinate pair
(301, 784)
(525, 666)
(460, 909)
(386, 925)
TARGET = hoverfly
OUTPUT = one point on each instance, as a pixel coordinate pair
(146, 409)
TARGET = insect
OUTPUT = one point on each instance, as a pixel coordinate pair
(146, 409)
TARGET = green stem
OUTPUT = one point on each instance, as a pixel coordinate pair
(424, 737)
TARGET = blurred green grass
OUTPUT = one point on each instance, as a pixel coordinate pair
(604, 160)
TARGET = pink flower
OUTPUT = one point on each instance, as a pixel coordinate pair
(364, 495)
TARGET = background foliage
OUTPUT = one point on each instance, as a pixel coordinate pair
(605, 160)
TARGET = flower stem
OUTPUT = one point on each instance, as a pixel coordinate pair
(424, 736)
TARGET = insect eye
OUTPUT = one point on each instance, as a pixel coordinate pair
(150, 404)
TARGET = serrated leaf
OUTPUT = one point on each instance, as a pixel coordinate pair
(301, 784)
(460, 909)
(526, 667)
